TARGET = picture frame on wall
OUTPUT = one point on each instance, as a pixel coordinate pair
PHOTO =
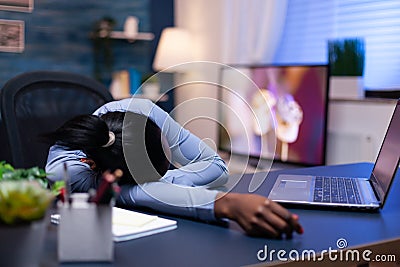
(17, 5)
(12, 36)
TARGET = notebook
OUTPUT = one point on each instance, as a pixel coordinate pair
(372, 191)
(128, 225)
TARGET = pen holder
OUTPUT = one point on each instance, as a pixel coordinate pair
(85, 231)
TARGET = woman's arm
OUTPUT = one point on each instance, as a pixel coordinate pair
(82, 176)
(192, 202)
(257, 215)
(198, 164)
(161, 196)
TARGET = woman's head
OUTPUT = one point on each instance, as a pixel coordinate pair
(137, 148)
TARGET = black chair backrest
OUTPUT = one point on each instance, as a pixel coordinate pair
(38, 102)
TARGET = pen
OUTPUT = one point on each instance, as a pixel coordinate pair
(108, 188)
(67, 191)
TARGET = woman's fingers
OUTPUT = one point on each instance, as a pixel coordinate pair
(267, 214)
(257, 215)
(290, 218)
(295, 222)
(280, 218)
(259, 227)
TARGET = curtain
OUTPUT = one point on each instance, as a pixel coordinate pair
(251, 30)
(308, 27)
(310, 24)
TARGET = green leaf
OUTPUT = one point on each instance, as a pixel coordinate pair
(4, 168)
(7, 172)
(346, 57)
(57, 186)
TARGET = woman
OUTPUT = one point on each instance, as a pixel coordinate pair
(90, 145)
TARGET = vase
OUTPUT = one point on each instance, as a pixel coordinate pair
(346, 87)
(21, 245)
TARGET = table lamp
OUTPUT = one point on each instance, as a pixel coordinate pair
(173, 49)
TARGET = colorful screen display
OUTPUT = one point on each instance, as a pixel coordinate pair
(274, 112)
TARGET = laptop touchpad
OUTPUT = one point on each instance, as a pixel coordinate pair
(293, 184)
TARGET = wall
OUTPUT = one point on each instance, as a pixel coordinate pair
(356, 129)
(58, 36)
(202, 18)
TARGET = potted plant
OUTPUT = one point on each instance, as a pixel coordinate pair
(24, 201)
(346, 62)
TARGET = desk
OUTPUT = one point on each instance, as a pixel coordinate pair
(200, 244)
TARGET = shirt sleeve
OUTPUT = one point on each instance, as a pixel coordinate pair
(82, 177)
(194, 202)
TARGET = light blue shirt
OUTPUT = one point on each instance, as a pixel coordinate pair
(182, 191)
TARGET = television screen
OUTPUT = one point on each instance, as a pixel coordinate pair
(274, 112)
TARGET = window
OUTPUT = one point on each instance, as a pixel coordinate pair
(310, 24)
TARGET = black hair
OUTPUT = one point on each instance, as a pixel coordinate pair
(137, 149)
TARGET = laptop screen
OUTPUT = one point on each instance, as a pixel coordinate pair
(387, 161)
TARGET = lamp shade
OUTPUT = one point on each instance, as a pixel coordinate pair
(173, 48)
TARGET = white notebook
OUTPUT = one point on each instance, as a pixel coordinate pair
(129, 224)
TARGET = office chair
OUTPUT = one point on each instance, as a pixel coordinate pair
(38, 102)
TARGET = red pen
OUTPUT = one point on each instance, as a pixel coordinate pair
(62, 194)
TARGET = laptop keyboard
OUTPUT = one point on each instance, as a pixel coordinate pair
(336, 190)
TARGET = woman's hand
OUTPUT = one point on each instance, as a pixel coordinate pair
(257, 215)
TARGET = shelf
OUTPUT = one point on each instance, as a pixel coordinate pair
(145, 36)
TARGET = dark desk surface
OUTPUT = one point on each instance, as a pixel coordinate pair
(200, 244)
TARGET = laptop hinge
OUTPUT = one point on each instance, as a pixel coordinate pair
(376, 188)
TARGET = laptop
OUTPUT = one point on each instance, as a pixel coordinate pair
(346, 192)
